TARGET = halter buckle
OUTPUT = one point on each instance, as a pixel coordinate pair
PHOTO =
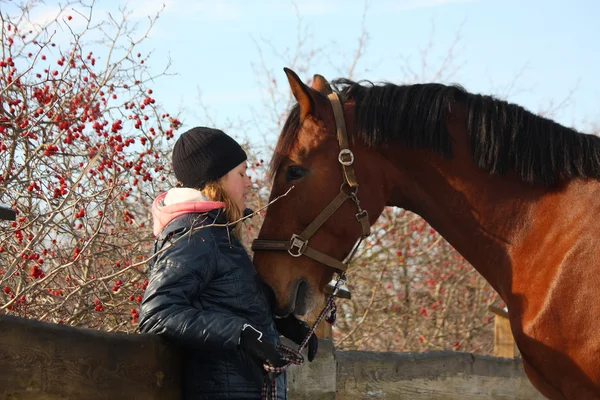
(350, 157)
(297, 245)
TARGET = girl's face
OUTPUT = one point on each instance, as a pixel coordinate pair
(236, 184)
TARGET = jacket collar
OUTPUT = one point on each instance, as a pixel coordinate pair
(219, 216)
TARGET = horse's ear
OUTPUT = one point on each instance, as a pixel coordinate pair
(321, 85)
(301, 93)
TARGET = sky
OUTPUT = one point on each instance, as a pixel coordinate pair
(543, 55)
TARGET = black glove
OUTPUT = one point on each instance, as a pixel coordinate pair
(296, 330)
(262, 352)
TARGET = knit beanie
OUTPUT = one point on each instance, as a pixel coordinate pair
(202, 155)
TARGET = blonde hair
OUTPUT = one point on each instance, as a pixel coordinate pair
(215, 191)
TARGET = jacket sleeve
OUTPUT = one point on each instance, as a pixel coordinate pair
(169, 307)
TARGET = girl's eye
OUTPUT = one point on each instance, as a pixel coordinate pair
(293, 173)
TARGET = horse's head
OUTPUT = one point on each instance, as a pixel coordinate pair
(312, 174)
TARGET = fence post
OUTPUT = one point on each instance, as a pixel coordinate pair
(7, 214)
(316, 380)
(504, 342)
(324, 331)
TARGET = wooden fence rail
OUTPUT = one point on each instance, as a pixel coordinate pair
(42, 361)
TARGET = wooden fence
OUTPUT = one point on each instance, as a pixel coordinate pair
(42, 361)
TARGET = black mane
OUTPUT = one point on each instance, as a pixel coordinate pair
(502, 136)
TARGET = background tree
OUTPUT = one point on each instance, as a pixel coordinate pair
(82, 153)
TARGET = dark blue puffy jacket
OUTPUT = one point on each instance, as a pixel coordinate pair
(202, 289)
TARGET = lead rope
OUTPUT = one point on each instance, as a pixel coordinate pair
(292, 356)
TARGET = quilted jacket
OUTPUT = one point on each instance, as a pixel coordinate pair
(201, 291)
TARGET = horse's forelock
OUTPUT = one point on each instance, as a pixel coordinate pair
(288, 136)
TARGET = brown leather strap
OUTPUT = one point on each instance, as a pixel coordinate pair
(324, 215)
(266, 244)
(325, 259)
(363, 218)
(346, 156)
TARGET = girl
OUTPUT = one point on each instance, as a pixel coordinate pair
(203, 292)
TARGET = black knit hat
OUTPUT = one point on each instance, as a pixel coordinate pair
(202, 155)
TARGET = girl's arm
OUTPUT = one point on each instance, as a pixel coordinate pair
(180, 274)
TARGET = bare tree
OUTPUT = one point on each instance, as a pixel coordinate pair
(82, 144)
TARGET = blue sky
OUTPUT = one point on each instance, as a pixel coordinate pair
(535, 53)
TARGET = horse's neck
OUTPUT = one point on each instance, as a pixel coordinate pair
(499, 224)
(482, 217)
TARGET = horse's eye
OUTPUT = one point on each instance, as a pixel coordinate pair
(294, 173)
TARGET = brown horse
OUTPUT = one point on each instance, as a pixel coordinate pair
(516, 194)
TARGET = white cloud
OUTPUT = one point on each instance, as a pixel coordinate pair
(42, 15)
(51, 21)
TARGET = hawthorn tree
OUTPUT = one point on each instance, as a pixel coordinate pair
(82, 152)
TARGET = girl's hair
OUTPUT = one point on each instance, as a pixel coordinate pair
(216, 192)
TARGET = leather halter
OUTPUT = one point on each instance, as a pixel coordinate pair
(298, 244)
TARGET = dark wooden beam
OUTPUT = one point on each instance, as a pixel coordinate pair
(43, 361)
(7, 214)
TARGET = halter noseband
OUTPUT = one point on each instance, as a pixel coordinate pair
(298, 244)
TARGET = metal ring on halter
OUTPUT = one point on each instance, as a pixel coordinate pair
(346, 152)
(353, 192)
